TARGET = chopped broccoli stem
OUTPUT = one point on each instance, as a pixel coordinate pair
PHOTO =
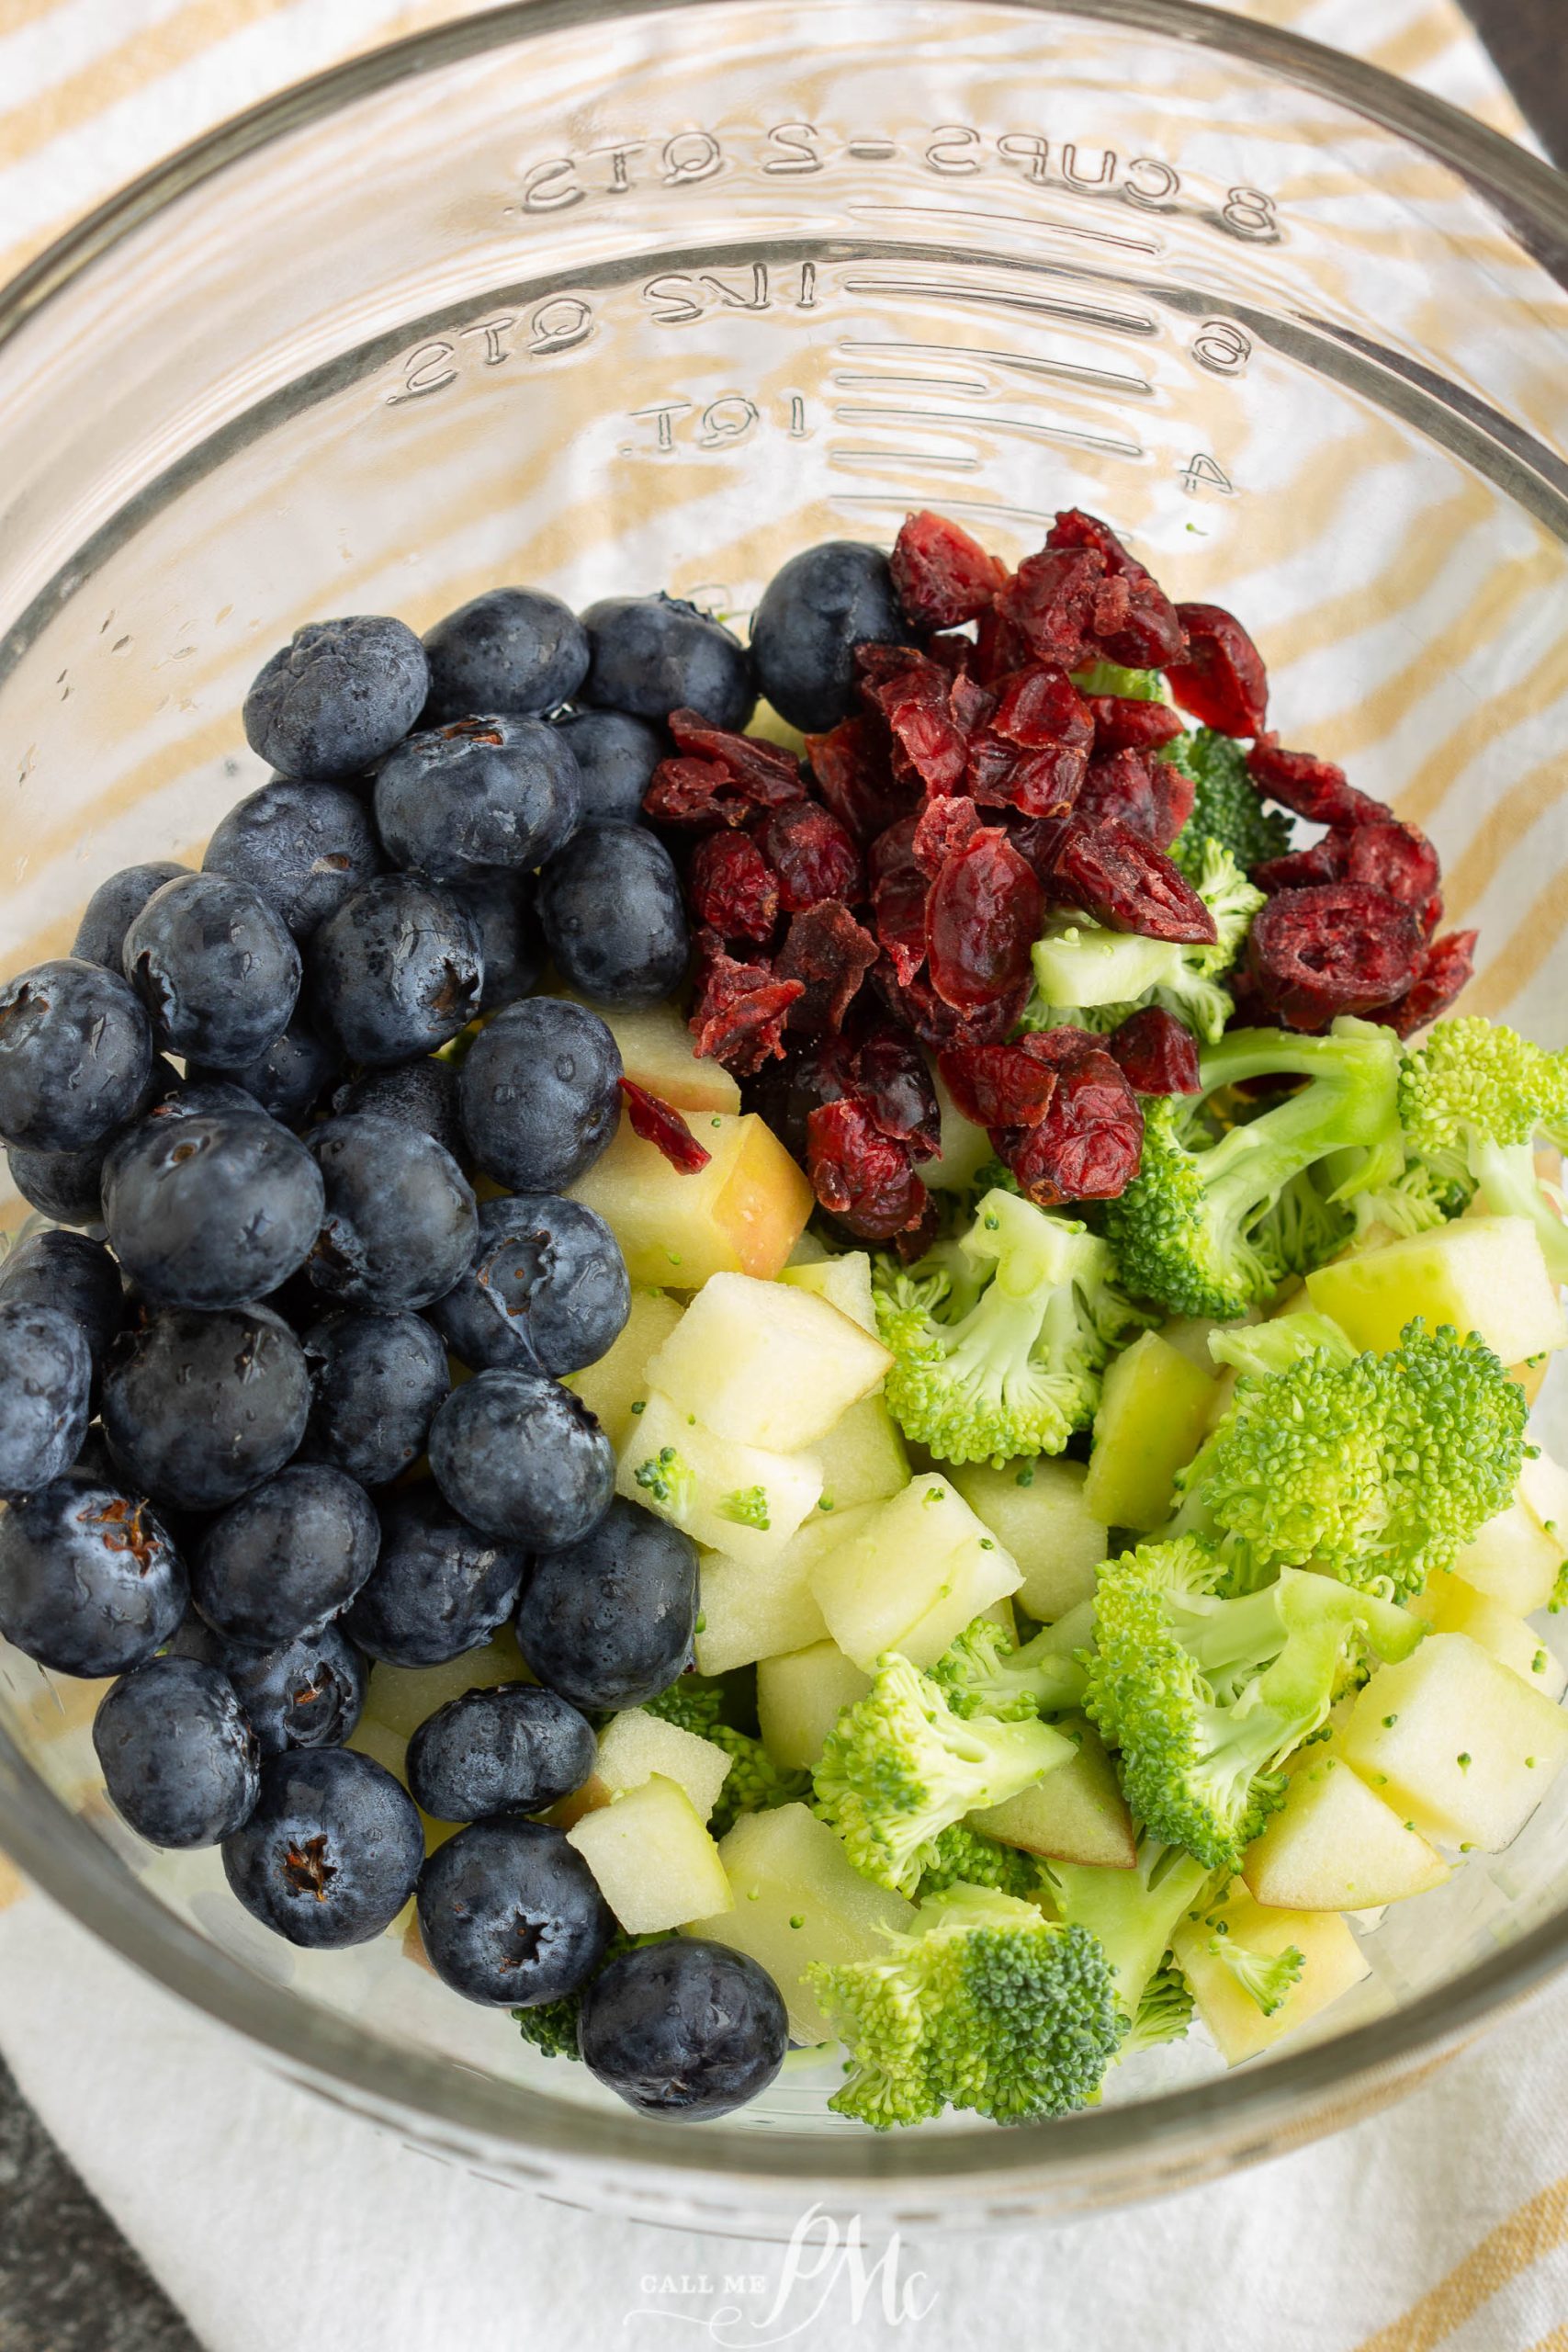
(1132, 1913)
(983, 1672)
(1089, 977)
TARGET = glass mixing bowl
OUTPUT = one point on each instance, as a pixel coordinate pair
(620, 297)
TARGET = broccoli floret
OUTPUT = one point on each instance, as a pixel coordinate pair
(1227, 807)
(1217, 1218)
(754, 1783)
(984, 1672)
(1474, 1097)
(999, 1339)
(1266, 1977)
(1163, 2015)
(1378, 1468)
(1089, 977)
(964, 1853)
(1264, 1349)
(669, 1480)
(987, 2005)
(1205, 1697)
(692, 1702)
(1132, 1913)
(898, 1767)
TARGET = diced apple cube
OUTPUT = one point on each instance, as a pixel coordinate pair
(1450, 1605)
(795, 1898)
(920, 1568)
(741, 1214)
(1485, 1275)
(1333, 1846)
(1333, 1961)
(766, 1362)
(659, 1052)
(1543, 1491)
(1077, 1814)
(1514, 1559)
(844, 1282)
(1037, 1512)
(633, 1747)
(1152, 1412)
(863, 1458)
(746, 1612)
(656, 1865)
(1456, 1743)
(740, 1500)
(800, 1697)
(619, 1380)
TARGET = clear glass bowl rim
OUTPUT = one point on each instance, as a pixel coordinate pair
(1234, 2118)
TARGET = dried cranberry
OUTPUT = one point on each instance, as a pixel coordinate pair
(1038, 839)
(916, 1239)
(1039, 707)
(854, 779)
(929, 745)
(1141, 628)
(698, 794)
(956, 654)
(1050, 602)
(891, 1074)
(1152, 796)
(999, 646)
(1124, 882)
(1156, 1054)
(732, 888)
(1220, 678)
(1447, 966)
(812, 854)
(765, 773)
(915, 1004)
(1037, 783)
(875, 662)
(739, 1015)
(1059, 1048)
(658, 1122)
(982, 917)
(1338, 948)
(862, 1177)
(829, 952)
(898, 889)
(997, 1086)
(942, 576)
(1299, 869)
(811, 1070)
(1315, 789)
(1398, 858)
(1088, 1145)
(942, 828)
(1124, 723)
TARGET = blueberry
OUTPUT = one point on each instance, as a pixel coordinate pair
(522, 1459)
(509, 1750)
(400, 1222)
(337, 696)
(422, 1093)
(100, 934)
(540, 1094)
(510, 1914)
(68, 1185)
(46, 1379)
(398, 969)
(654, 654)
(547, 1290)
(90, 1581)
(515, 650)
(308, 1693)
(815, 611)
(438, 1589)
(376, 1381)
(615, 755)
(289, 1079)
(216, 967)
(179, 1760)
(67, 1272)
(614, 917)
(211, 1209)
(285, 1558)
(511, 941)
(305, 847)
(200, 1407)
(687, 2028)
(478, 793)
(75, 1056)
(608, 1622)
(331, 1853)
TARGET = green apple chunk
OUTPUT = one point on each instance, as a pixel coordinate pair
(767, 1362)
(1077, 1814)
(918, 1570)
(1513, 1559)
(1151, 1421)
(793, 1898)
(1481, 1273)
(1036, 1511)
(744, 1501)
(741, 1214)
(1333, 1846)
(633, 1747)
(844, 1282)
(619, 1380)
(659, 1052)
(1450, 1605)
(863, 1458)
(800, 1697)
(1456, 1743)
(1543, 1491)
(746, 1612)
(656, 1865)
(1332, 1961)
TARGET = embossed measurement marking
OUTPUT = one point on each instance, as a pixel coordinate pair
(849, 413)
(941, 459)
(1037, 220)
(1070, 372)
(876, 379)
(939, 289)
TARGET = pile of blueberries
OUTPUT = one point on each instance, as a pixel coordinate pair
(211, 1419)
